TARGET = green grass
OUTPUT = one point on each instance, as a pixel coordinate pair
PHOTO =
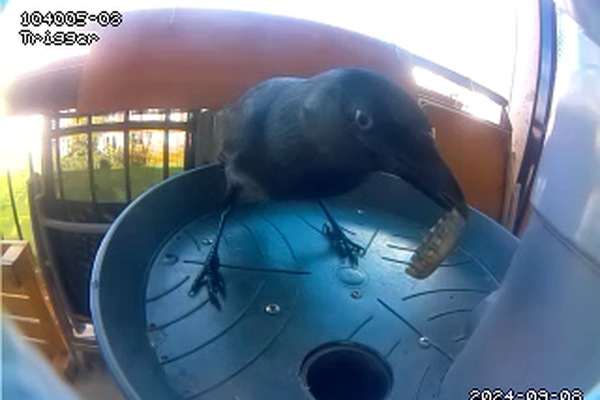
(110, 183)
(110, 186)
(8, 229)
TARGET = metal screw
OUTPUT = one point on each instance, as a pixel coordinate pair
(207, 241)
(424, 342)
(272, 309)
(355, 294)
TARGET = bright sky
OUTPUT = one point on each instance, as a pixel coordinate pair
(475, 38)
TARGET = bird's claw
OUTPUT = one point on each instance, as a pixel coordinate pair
(345, 247)
(215, 285)
(211, 278)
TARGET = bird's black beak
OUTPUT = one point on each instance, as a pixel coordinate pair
(419, 163)
(427, 171)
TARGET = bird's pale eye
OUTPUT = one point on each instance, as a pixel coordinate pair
(363, 120)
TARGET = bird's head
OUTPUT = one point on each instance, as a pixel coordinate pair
(373, 112)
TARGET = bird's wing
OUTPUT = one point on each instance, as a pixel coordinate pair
(243, 122)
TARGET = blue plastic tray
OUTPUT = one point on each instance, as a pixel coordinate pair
(288, 295)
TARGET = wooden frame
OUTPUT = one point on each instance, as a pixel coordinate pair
(24, 299)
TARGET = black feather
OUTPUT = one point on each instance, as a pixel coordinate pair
(296, 138)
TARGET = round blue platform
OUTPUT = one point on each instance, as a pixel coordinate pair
(288, 294)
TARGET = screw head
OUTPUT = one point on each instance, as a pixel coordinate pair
(424, 342)
(272, 309)
(355, 294)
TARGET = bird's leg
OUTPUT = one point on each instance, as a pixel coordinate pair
(345, 247)
(209, 275)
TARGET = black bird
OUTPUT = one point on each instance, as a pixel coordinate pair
(309, 139)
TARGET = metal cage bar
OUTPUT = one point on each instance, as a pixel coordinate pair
(13, 204)
(61, 187)
(166, 145)
(90, 160)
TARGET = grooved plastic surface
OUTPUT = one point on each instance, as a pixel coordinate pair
(275, 254)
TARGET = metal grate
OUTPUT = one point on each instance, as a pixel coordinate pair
(75, 252)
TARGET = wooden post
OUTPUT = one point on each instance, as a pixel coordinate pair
(23, 298)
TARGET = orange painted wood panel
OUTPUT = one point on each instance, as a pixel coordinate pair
(477, 152)
(46, 90)
(191, 58)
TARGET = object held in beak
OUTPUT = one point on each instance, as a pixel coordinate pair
(436, 245)
(420, 165)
